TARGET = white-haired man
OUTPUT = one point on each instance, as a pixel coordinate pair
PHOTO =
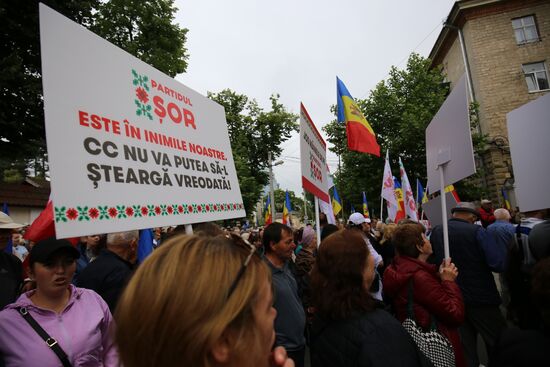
(501, 229)
(503, 232)
(109, 273)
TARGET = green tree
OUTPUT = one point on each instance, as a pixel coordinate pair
(254, 133)
(146, 30)
(399, 109)
(22, 135)
(143, 28)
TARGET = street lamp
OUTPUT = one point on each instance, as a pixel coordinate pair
(271, 190)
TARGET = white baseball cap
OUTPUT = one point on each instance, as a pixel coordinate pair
(357, 218)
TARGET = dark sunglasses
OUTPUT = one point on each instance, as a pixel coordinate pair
(238, 241)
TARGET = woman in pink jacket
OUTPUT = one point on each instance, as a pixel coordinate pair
(76, 320)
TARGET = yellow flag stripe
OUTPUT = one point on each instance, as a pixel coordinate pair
(353, 113)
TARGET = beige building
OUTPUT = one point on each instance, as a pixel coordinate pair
(505, 46)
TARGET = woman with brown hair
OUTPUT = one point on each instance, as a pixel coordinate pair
(435, 294)
(199, 301)
(349, 329)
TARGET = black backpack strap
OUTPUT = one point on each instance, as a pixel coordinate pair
(50, 342)
(410, 302)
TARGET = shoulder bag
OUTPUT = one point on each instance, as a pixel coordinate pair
(434, 345)
(50, 342)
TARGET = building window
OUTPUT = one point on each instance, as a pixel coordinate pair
(536, 76)
(525, 29)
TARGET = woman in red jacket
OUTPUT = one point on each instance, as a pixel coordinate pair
(435, 294)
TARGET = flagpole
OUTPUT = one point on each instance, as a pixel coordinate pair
(189, 229)
(305, 207)
(382, 191)
(317, 221)
(441, 168)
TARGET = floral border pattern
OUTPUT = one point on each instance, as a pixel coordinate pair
(109, 212)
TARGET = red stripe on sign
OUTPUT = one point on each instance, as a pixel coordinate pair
(312, 125)
(310, 187)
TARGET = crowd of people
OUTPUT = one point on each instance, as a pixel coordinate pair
(367, 293)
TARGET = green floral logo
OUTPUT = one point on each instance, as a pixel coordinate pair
(141, 83)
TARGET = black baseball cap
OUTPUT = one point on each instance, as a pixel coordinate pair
(45, 249)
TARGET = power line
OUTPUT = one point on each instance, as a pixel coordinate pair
(406, 57)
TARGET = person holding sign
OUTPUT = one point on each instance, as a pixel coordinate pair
(431, 293)
(199, 301)
(476, 253)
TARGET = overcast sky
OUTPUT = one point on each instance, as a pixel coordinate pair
(296, 48)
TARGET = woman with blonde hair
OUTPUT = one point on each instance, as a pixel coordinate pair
(199, 301)
(385, 248)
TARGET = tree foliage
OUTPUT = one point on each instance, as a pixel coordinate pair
(146, 30)
(143, 28)
(254, 133)
(399, 109)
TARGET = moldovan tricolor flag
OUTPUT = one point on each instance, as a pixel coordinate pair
(268, 217)
(336, 202)
(505, 197)
(365, 206)
(361, 137)
(421, 195)
(388, 192)
(410, 205)
(399, 195)
(287, 208)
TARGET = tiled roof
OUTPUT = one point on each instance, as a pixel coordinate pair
(25, 194)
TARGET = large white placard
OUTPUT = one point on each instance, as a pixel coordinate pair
(313, 156)
(128, 146)
(448, 137)
(528, 132)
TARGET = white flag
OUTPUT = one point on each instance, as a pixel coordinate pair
(388, 191)
(408, 197)
(327, 207)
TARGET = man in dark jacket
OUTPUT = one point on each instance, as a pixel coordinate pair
(476, 255)
(290, 322)
(109, 273)
(11, 270)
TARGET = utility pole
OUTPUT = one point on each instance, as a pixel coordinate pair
(271, 189)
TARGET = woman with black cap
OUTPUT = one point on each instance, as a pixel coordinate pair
(61, 322)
